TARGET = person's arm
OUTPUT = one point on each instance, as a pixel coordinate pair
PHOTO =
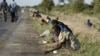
(58, 46)
(0, 5)
(7, 7)
(15, 5)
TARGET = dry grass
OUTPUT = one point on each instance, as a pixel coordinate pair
(77, 23)
(89, 37)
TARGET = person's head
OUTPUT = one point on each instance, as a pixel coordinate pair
(43, 22)
(57, 18)
(4, 0)
(54, 22)
(13, 0)
(48, 18)
(88, 20)
(56, 30)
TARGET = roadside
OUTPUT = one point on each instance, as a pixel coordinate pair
(88, 37)
(20, 39)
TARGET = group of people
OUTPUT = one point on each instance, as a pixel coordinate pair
(12, 8)
(62, 35)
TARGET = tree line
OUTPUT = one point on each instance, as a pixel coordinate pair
(74, 6)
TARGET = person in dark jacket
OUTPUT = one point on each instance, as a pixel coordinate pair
(4, 7)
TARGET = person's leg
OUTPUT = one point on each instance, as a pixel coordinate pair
(67, 44)
(12, 17)
(16, 16)
(54, 37)
(5, 16)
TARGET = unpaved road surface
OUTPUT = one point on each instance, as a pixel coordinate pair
(19, 38)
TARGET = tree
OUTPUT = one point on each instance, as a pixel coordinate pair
(47, 5)
(77, 5)
(96, 6)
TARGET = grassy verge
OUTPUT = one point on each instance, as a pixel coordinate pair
(88, 46)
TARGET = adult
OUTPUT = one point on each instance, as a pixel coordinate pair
(13, 9)
(4, 7)
(62, 38)
(89, 24)
(36, 14)
(48, 19)
(43, 21)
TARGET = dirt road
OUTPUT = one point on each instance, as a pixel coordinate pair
(19, 38)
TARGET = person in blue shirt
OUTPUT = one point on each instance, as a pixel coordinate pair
(89, 24)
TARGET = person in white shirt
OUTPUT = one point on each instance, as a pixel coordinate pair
(13, 9)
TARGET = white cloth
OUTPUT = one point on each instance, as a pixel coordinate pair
(13, 4)
(45, 33)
